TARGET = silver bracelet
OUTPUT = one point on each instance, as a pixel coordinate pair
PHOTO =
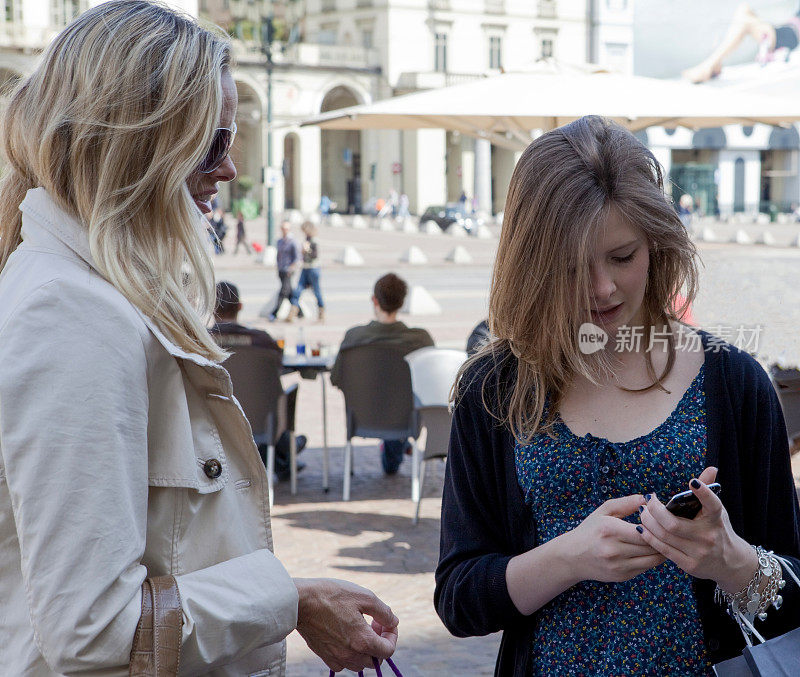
(749, 601)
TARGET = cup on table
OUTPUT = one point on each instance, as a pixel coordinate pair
(315, 351)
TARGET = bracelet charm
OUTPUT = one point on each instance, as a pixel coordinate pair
(754, 599)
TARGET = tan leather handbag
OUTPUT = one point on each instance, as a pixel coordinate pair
(156, 650)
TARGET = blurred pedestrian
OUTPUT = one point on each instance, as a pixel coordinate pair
(219, 229)
(134, 513)
(309, 275)
(289, 259)
(686, 211)
(325, 207)
(402, 207)
(241, 235)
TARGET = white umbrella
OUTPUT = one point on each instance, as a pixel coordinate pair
(506, 108)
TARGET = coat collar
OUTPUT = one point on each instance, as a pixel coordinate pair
(45, 223)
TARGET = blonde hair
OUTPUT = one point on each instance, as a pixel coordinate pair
(309, 229)
(116, 117)
(560, 194)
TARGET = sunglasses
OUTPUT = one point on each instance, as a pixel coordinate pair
(220, 147)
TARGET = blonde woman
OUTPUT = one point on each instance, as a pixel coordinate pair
(125, 463)
(564, 450)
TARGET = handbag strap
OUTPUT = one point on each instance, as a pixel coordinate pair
(377, 665)
(742, 620)
(156, 646)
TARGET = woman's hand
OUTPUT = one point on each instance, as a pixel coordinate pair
(609, 549)
(601, 548)
(704, 547)
(330, 618)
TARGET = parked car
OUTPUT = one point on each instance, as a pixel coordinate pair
(452, 212)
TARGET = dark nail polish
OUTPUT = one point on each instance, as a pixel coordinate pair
(647, 497)
(695, 484)
(641, 508)
(640, 530)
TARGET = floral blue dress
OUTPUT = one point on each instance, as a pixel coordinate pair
(650, 624)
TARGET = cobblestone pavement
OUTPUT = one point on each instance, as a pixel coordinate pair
(371, 539)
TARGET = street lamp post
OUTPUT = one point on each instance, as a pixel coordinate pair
(268, 34)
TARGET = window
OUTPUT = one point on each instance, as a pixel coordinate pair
(440, 53)
(61, 11)
(547, 9)
(547, 48)
(495, 52)
(367, 38)
(617, 56)
(617, 5)
(9, 10)
(327, 33)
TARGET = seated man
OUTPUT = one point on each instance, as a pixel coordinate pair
(229, 334)
(387, 299)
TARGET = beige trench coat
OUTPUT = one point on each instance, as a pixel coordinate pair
(105, 430)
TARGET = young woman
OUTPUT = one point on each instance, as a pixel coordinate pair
(125, 463)
(564, 450)
(309, 275)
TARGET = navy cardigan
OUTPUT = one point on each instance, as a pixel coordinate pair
(485, 521)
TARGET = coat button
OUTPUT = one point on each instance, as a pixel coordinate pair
(713, 644)
(212, 468)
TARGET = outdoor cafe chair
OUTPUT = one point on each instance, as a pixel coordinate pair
(787, 385)
(376, 383)
(433, 372)
(255, 374)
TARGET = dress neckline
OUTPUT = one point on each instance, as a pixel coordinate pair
(565, 430)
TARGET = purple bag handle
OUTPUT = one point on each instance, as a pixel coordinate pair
(377, 665)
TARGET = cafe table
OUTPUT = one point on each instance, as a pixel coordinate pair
(309, 367)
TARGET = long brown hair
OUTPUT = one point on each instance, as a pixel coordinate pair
(560, 193)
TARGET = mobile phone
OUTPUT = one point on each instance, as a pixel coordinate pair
(686, 504)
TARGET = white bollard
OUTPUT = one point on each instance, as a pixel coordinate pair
(409, 225)
(359, 222)
(420, 302)
(414, 256)
(483, 232)
(315, 218)
(454, 230)
(269, 257)
(707, 235)
(741, 237)
(349, 256)
(294, 217)
(766, 238)
(459, 255)
(336, 221)
(431, 228)
(385, 224)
